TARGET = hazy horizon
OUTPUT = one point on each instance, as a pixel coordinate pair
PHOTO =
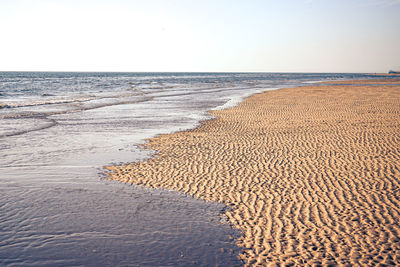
(233, 72)
(306, 36)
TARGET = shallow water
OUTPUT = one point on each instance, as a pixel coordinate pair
(57, 130)
(86, 222)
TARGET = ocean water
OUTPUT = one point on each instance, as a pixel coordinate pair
(57, 131)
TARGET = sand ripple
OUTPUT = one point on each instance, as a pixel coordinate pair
(312, 173)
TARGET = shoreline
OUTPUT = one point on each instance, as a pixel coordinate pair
(304, 169)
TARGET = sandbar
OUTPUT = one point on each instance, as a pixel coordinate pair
(312, 174)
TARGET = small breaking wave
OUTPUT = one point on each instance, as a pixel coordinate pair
(48, 124)
(16, 128)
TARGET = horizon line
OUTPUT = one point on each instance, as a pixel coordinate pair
(104, 71)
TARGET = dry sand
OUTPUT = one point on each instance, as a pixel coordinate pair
(312, 173)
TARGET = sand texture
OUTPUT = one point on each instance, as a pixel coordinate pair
(312, 173)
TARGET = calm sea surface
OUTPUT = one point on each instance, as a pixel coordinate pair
(57, 130)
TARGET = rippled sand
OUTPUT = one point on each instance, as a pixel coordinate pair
(312, 173)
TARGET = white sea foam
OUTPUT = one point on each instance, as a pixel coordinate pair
(235, 100)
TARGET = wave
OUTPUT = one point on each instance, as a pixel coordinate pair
(66, 100)
(50, 123)
(53, 122)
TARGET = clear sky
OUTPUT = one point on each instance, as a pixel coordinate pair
(200, 35)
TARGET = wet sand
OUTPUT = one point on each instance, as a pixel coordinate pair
(312, 173)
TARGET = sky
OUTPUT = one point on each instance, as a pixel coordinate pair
(200, 35)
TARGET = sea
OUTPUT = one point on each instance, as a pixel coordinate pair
(58, 130)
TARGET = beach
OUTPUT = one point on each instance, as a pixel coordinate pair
(58, 130)
(311, 174)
